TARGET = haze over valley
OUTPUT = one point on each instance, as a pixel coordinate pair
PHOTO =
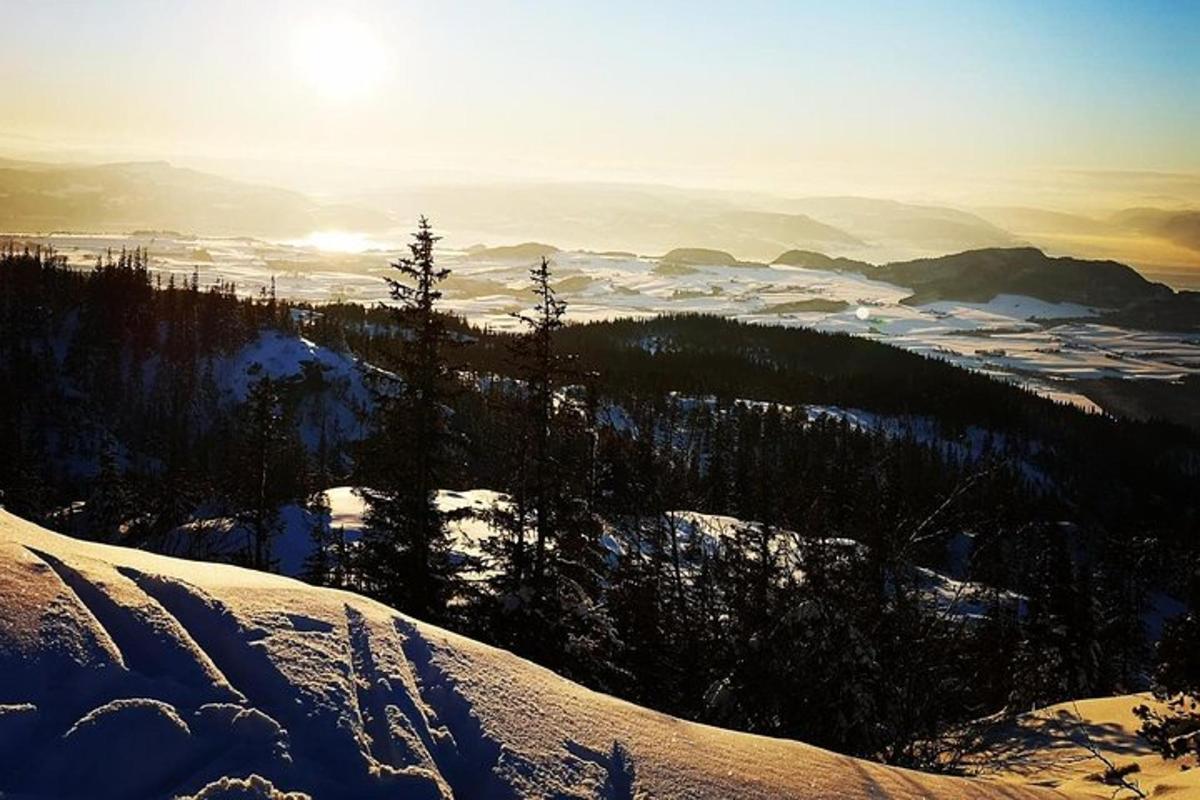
(1160, 240)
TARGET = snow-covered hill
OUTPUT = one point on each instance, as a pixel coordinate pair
(125, 674)
(335, 396)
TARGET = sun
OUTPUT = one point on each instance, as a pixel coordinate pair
(339, 57)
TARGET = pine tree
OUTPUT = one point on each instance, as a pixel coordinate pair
(1120, 606)
(555, 614)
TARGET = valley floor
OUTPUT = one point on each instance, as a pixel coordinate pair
(1059, 350)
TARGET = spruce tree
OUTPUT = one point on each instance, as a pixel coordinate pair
(558, 618)
(319, 566)
(407, 559)
(110, 503)
(541, 367)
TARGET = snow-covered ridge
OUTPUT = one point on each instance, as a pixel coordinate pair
(126, 674)
(334, 405)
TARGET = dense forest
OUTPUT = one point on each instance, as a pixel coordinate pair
(122, 419)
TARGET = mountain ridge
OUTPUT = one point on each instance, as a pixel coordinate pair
(981, 275)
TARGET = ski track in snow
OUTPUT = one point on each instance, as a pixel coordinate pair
(130, 675)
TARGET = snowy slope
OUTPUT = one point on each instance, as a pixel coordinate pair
(1066, 746)
(125, 674)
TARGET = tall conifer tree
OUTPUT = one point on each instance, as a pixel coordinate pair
(408, 555)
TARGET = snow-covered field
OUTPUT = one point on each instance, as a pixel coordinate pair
(1043, 345)
(130, 675)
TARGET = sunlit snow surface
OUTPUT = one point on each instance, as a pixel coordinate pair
(127, 675)
(1043, 345)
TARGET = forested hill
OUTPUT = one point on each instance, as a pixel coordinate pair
(714, 355)
(1101, 462)
(978, 276)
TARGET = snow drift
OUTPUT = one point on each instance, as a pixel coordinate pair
(125, 674)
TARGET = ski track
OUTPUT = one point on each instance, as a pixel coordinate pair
(618, 766)
(204, 655)
(371, 702)
(168, 652)
(317, 727)
(469, 759)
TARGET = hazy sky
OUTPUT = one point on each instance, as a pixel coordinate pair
(752, 95)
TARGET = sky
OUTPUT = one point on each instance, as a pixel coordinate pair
(790, 96)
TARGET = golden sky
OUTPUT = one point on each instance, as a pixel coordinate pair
(974, 102)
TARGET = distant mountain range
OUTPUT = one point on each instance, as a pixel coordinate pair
(893, 226)
(1179, 227)
(656, 219)
(1163, 243)
(119, 198)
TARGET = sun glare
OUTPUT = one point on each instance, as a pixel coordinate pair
(336, 242)
(339, 57)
